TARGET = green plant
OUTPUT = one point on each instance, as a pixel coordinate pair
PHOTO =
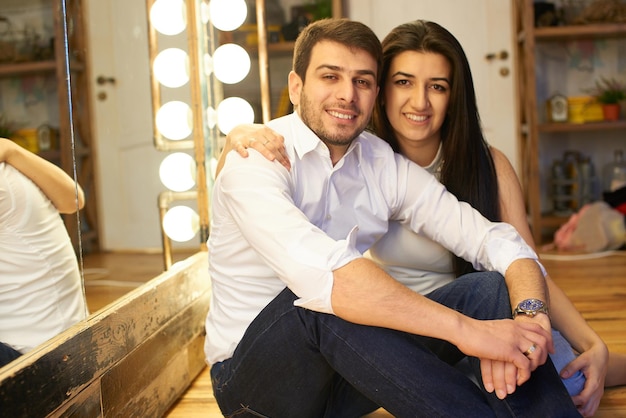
(320, 9)
(609, 90)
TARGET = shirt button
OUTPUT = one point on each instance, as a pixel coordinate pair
(328, 217)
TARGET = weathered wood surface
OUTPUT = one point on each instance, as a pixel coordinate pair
(133, 358)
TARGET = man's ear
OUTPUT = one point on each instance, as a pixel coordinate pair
(295, 88)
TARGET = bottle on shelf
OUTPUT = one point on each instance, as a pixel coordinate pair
(587, 175)
(614, 173)
(573, 183)
(571, 160)
(560, 196)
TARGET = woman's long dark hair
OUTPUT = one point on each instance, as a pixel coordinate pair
(468, 170)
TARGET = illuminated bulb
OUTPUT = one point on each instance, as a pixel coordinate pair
(213, 167)
(208, 64)
(171, 67)
(178, 172)
(232, 112)
(181, 223)
(204, 12)
(174, 121)
(211, 117)
(228, 15)
(231, 63)
(169, 17)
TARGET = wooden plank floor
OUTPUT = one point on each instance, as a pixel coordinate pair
(597, 286)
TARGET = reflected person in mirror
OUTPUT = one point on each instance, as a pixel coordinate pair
(301, 324)
(41, 292)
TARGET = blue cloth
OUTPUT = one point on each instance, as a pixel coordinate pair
(563, 355)
(294, 362)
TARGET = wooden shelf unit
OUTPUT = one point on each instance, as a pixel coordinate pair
(531, 130)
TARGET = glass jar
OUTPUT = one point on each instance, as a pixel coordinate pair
(614, 173)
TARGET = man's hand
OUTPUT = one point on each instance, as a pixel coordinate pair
(500, 345)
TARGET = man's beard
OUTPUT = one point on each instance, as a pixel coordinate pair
(337, 135)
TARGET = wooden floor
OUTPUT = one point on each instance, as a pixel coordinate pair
(108, 276)
(596, 285)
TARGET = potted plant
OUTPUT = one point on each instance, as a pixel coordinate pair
(610, 92)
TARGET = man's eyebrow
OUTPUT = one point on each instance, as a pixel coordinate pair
(339, 68)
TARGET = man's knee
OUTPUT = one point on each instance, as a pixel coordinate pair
(493, 284)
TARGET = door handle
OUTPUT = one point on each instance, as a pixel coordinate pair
(502, 55)
(102, 80)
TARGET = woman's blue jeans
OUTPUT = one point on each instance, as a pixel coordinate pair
(294, 362)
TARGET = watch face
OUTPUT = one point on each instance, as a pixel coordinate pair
(531, 305)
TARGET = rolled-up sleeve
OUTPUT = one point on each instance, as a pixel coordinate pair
(435, 212)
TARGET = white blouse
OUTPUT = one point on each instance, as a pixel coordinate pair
(416, 261)
(41, 291)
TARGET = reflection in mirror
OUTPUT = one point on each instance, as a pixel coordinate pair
(46, 166)
(81, 62)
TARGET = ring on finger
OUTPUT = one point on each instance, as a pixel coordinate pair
(530, 350)
(266, 141)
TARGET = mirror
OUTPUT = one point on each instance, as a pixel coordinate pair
(110, 148)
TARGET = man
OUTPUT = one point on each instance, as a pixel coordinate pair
(302, 325)
(41, 291)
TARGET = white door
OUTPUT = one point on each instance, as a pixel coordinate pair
(127, 162)
(482, 27)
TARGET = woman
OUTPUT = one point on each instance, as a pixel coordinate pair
(41, 291)
(427, 111)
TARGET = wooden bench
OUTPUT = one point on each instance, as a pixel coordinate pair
(133, 358)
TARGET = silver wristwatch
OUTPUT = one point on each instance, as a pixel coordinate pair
(530, 307)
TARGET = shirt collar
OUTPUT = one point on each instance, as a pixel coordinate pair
(306, 140)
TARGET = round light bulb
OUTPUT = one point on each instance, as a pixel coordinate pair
(211, 117)
(169, 17)
(228, 15)
(174, 120)
(231, 63)
(178, 172)
(181, 223)
(204, 12)
(208, 64)
(171, 67)
(232, 112)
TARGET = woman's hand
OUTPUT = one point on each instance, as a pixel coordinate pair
(593, 364)
(261, 138)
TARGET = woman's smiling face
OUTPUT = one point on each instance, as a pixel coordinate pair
(417, 93)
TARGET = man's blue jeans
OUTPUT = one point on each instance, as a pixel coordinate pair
(293, 362)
